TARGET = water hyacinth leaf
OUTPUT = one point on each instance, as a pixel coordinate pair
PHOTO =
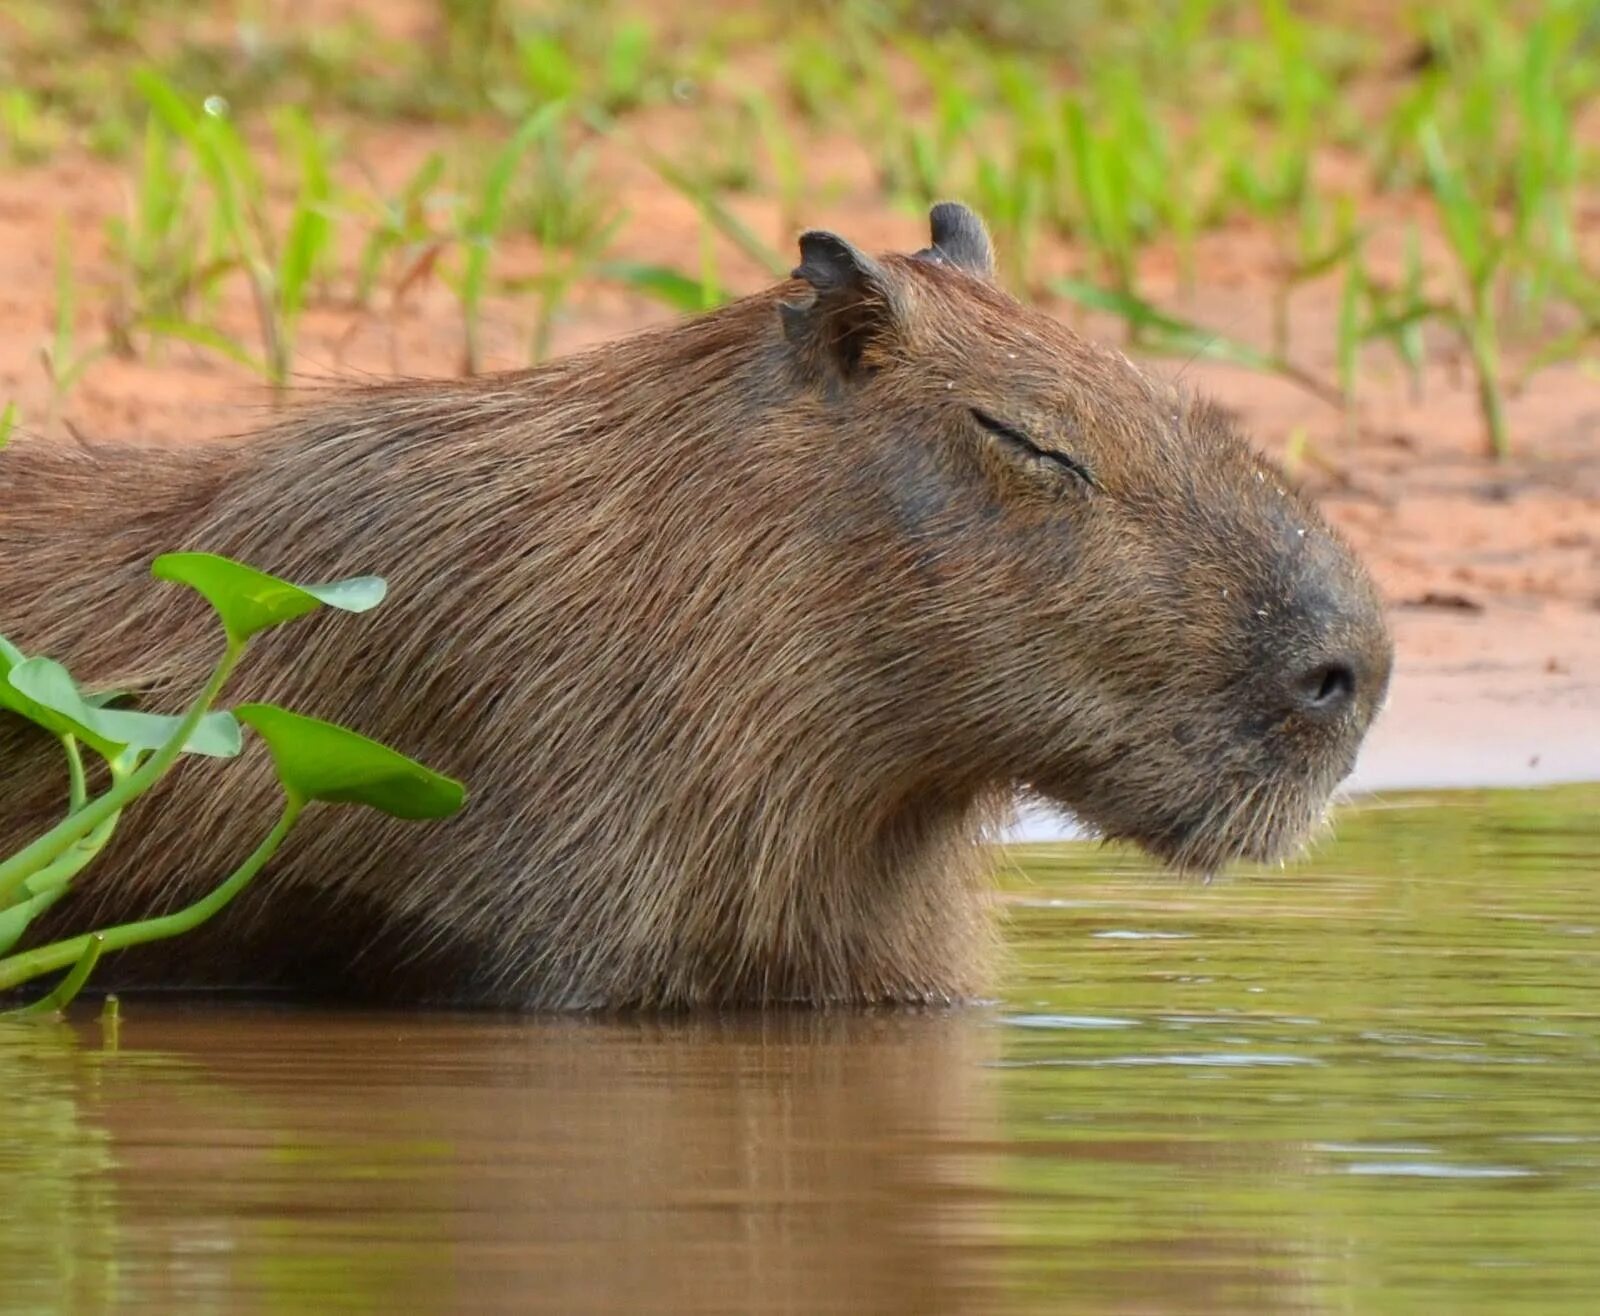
(250, 601)
(217, 735)
(319, 761)
(49, 688)
(19, 702)
(44, 888)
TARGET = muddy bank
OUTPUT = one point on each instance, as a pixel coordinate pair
(1509, 696)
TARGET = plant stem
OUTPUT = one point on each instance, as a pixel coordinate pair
(73, 828)
(471, 355)
(77, 857)
(17, 969)
(79, 789)
(62, 994)
(1312, 384)
(52, 881)
(1485, 361)
(1280, 317)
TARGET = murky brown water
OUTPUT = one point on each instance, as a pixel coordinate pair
(1370, 1084)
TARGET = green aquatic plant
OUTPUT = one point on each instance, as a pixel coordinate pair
(316, 762)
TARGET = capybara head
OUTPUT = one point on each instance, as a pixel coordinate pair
(1147, 626)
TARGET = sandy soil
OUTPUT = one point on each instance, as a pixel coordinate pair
(1492, 570)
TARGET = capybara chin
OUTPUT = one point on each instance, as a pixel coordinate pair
(742, 631)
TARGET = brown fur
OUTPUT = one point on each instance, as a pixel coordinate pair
(742, 631)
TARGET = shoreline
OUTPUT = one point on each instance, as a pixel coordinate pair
(1503, 698)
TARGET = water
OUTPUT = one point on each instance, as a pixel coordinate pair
(1368, 1084)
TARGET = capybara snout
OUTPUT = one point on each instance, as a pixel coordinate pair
(1335, 648)
(744, 632)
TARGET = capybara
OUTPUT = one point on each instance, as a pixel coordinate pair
(744, 632)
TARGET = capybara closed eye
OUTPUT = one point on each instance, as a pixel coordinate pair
(743, 632)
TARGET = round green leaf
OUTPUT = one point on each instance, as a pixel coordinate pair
(249, 601)
(52, 699)
(320, 761)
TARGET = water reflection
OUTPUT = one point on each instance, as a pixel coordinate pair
(1366, 1083)
(317, 1162)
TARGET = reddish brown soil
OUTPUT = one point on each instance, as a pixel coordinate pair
(1492, 569)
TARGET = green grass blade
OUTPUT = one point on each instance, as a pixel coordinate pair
(204, 336)
(1349, 331)
(672, 287)
(483, 224)
(1160, 331)
(720, 217)
(1464, 219)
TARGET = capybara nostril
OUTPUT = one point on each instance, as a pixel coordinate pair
(1328, 688)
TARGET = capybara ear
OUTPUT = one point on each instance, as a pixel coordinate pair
(853, 306)
(959, 238)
